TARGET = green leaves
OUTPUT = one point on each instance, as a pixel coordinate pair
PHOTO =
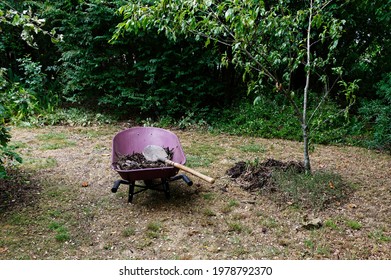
(271, 41)
(30, 23)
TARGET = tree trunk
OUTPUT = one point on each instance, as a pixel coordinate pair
(304, 125)
(307, 162)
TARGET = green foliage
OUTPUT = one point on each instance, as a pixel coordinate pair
(7, 154)
(271, 44)
(266, 119)
(18, 98)
(28, 22)
(331, 224)
(89, 67)
(273, 119)
(173, 61)
(143, 72)
(365, 47)
(18, 101)
(72, 117)
(378, 113)
(263, 40)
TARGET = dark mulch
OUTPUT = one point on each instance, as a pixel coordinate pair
(138, 161)
(252, 177)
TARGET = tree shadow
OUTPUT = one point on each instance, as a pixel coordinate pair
(18, 190)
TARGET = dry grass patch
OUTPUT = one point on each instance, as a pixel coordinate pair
(56, 216)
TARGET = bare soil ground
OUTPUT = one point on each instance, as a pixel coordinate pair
(59, 204)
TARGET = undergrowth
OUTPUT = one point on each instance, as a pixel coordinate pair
(71, 117)
(272, 119)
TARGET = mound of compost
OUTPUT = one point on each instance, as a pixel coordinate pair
(252, 177)
(138, 161)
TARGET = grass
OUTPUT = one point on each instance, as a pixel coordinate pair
(55, 141)
(202, 155)
(208, 196)
(233, 203)
(331, 224)
(194, 161)
(355, 225)
(129, 231)
(52, 136)
(235, 226)
(315, 191)
(57, 192)
(379, 236)
(17, 145)
(64, 220)
(209, 212)
(61, 232)
(19, 219)
(323, 250)
(252, 148)
(268, 222)
(228, 207)
(154, 226)
(153, 229)
(73, 117)
(310, 244)
(40, 163)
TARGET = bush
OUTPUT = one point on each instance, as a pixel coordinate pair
(7, 154)
(268, 118)
(273, 118)
(25, 96)
(377, 113)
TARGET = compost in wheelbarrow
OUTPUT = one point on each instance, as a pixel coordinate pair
(134, 140)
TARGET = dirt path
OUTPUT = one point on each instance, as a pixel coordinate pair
(70, 212)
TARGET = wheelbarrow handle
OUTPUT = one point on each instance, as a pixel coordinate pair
(190, 170)
(115, 187)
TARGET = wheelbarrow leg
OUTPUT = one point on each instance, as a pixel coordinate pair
(131, 192)
(116, 185)
(166, 189)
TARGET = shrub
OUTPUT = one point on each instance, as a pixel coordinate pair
(378, 114)
(7, 154)
(273, 118)
(25, 96)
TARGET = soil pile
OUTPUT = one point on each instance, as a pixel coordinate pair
(252, 176)
(138, 161)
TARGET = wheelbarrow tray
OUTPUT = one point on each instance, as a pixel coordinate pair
(134, 140)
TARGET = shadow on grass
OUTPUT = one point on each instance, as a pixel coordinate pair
(17, 190)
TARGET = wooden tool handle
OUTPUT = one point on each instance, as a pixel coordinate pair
(192, 171)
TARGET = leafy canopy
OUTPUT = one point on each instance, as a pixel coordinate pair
(273, 42)
(267, 40)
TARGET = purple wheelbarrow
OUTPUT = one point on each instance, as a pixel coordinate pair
(134, 140)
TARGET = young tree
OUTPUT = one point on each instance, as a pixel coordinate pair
(274, 42)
